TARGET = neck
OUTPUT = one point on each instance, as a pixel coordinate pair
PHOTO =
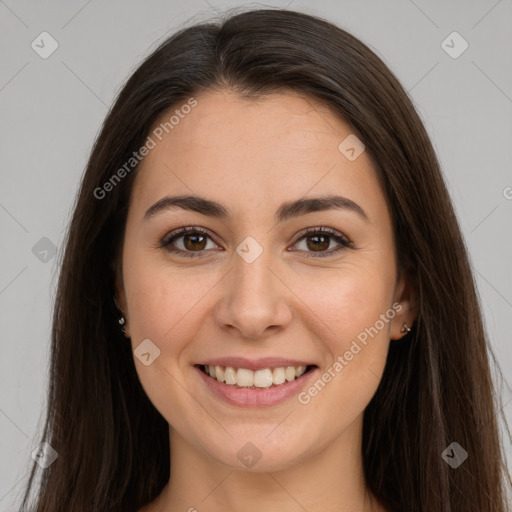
(331, 479)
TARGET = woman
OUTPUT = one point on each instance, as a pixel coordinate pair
(265, 301)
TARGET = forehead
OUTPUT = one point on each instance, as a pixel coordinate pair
(253, 151)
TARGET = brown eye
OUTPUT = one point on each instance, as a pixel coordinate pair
(187, 241)
(194, 242)
(318, 240)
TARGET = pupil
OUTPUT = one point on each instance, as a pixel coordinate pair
(321, 245)
(195, 243)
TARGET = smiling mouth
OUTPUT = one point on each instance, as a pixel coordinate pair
(243, 378)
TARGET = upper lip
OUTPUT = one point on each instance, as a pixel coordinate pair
(254, 364)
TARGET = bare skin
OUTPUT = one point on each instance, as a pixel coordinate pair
(253, 156)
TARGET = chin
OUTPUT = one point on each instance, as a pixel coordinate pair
(256, 452)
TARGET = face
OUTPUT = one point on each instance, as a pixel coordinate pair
(257, 286)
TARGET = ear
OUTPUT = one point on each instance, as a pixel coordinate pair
(406, 295)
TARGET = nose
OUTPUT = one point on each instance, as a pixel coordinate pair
(255, 300)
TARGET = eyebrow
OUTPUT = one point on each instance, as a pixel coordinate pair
(284, 212)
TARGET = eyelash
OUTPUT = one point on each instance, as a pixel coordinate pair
(344, 242)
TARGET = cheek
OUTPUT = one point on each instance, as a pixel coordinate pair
(164, 302)
(347, 301)
(351, 313)
(164, 307)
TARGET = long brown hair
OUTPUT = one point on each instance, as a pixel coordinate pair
(113, 445)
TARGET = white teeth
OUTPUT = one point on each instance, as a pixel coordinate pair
(244, 377)
(219, 374)
(278, 376)
(264, 378)
(290, 373)
(230, 376)
(300, 370)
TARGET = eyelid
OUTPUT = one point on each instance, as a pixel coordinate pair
(165, 243)
(325, 230)
(343, 241)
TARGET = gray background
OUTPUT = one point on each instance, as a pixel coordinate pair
(51, 110)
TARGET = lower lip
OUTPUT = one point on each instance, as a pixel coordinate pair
(256, 397)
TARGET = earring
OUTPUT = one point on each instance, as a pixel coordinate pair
(405, 328)
(122, 321)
